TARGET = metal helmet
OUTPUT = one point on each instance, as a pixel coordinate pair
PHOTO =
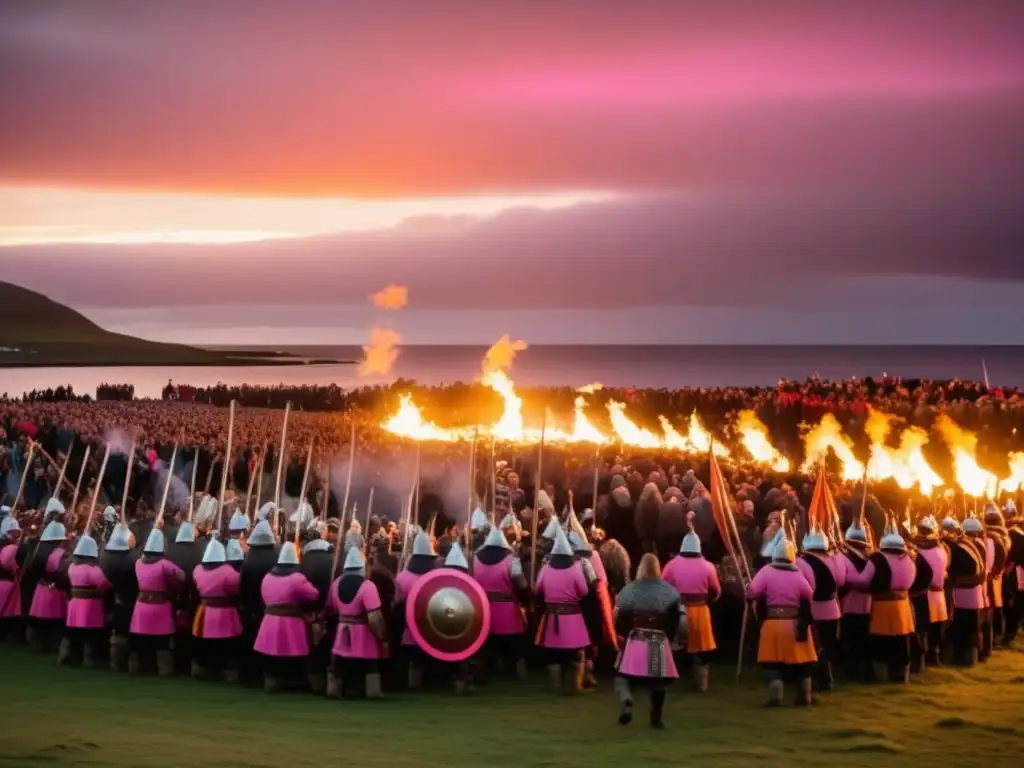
(154, 543)
(86, 547)
(215, 553)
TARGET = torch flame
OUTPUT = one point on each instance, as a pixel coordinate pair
(754, 435)
(628, 432)
(963, 445)
(906, 464)
(409, 422)
(1015, 482)
(828, 434)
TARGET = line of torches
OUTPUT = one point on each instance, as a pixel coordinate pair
(903, 462)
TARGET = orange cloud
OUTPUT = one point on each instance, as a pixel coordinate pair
(391, 297)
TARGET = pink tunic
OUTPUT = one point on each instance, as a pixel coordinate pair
(901, 568)
(780, 587)
(87, 612)
(354, 639)
(404, 583)
(694, 578)
(10, 598)
(563, 626)
(824, 610)
(970, 598)
(50, 601)
(496, 580)
(156, 578)
(938, 561)
(219, 585)
(285, 635)
(855, 602)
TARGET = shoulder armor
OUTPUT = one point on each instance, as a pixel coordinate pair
(515, 567)
(588, 572)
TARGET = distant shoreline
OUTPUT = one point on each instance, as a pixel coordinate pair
(124, 359)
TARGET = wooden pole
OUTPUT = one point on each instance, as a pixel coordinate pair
(96, 490)
(62, 475)
(597, 474)
(259, 480)
(539, 486)
(472, 491)
(494, 485)
(24, 477)
(50, 459)
(127, 483)
(167, 484)
(81, 474)
(280, 465)
(351, 466)
(252, 479)
(414, 512)
(226, 467)
(302, 493)
(192, 485)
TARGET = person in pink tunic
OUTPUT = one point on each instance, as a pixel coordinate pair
(696, 581)
(283, 641)
(86, 622)
(647, 614)
(423, 560)
(153, 625)
(597, 606)
(783, 598)
(974, 536)
(928, 593)
(966, 583)
(500, 573)
(854, 604)
(361, 639)
(827, 575)
(217, 627)
(562, 584)
(997, 551)
(49, 608)
(888, 577)
(10, 577)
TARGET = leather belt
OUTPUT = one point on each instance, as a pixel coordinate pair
(783, 612)
(694, 599)
(563, 609)
(500, 597)
(85, 593)
(152, 597)
(892, 596)
(360, 620)
(221, 601)
(285, 610)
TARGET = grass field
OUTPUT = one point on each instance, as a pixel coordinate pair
(74, 717)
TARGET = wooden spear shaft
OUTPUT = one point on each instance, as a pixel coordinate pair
(127, 482)
(302, 493)
(472, 491)
(280, 465)
(62, 475)
(261, 468)
(167, 484)
(538, 485)
(81, 474)
(24, 476)
(225, 467)
(96, 490)
(192, 485)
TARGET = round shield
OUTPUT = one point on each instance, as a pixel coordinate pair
(448, 614)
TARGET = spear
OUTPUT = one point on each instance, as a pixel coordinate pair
(302, 493)
(351, 465)
(536, 512)
(494, 496)
(252, 479)
(81, 474)
(192, 486)
(261, 467)
(53, 462)
(280, 465)
(167, 485)
(369, 512)
(96, 490)
(127, 482)
(225, 466)
(24, 476)
(472, 489)
(63, 472)
(597, 473)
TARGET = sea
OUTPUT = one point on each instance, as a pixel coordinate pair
(671, 367)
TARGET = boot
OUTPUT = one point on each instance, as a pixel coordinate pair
(880, 672)
(825, 679)
(657, 707)
(625, 700)
(33, 638)
(196, 670)
(64, 651)
(931, 658)
(969, 658)
(902, 675)
(776, 690)
(521, 669)
(701, 672)
(317, 682)
(133, 663)
(333, 686)
(555, 673)
(917, 663)
(90, 655)
(118, 653)
(270, 684)
(589, 681)
(576, 678)
(165, 663)
(373, 689)
(803, 695)
(231, 673)
(415, 676)
(947, 655)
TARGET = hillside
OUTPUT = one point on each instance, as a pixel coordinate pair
(37, 331)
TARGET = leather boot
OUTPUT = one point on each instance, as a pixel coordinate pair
(90, 655)
(776, 690)
(231, 673)
(64, 652)
(317, 682)
(415, 676)
(270, 684)
(521, 669)
(133, 664)
(657, 707)
(373, 688)
(589, 681)
(555, 673)
(701, 673)
(118, 653)
(825, 679)
(803, 695)
(625, 700)
(333, 686)
(880, 672)
(196, 670)
(33, 638)
(576, 678)
(165, 663)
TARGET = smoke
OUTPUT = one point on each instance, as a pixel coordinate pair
(501, 354)
(589, 389)
(391, 296)
(177, 494)
(380, 355)
(120, 442)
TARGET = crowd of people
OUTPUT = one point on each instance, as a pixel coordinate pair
(136, 555)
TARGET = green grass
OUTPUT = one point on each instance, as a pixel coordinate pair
(74, 717)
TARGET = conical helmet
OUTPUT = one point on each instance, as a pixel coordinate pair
(478, 520)
(266, 511)
(215, 553)
(422, 545)
(120, 539)
(354, 560)
(973, 526)
(54, 507)
(86, 547)
(691, 541)
(784, 553)
(456, 558)
(289, 555)
(54, 531)
(552, 529)
(239, 522)
(155, 543)
(233, 550)
(186, 533)
(562, 546)
(495, 538)
(892, 541)
(262, 535)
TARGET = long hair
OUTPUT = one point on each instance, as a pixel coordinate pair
(649, 568)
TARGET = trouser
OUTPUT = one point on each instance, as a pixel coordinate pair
(929, 634)
(658, 688)
(284, 672)
(44, 634)
(505, 651)
(998, 625)
(562, 660)
(216, 655)
(148, 651)
(777, 675)
(81, 646)
(853, 640)
(1012, 607)
(963, 637)
(354, 678)
(890, 655)
(985, 646)
(826, 640)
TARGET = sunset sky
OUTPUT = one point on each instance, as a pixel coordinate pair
(248, 171)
